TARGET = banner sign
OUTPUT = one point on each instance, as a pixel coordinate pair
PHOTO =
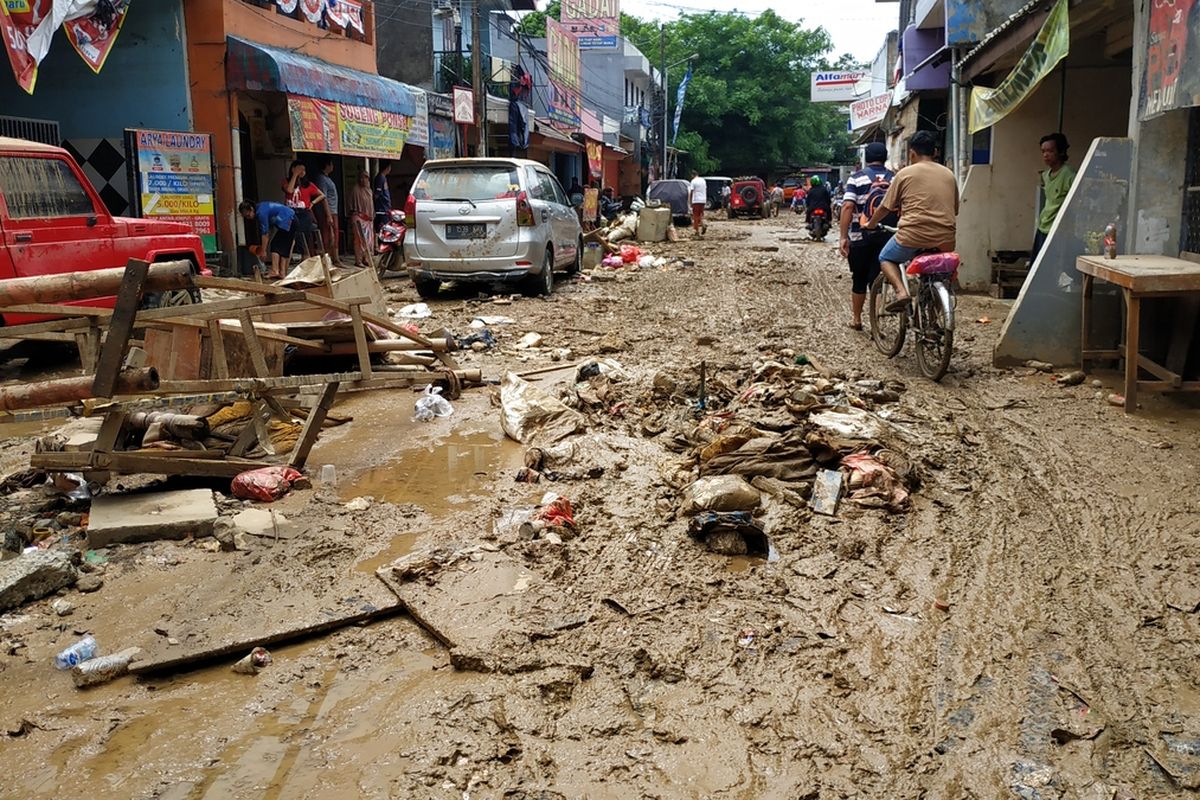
(679, 97)
(418, 134)
(595, 24)
(1172, 58)
(869, 111)
(464, 106)
(595, 158)
(323, 126)
(28, 26)
(835, 87)
(441, 137)
(175, 179)
(562, 52)
(1053, 43)
(345, 14)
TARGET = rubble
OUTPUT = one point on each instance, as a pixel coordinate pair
(117, 518)
(33, 575)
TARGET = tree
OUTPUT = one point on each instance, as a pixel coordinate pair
(749, 93)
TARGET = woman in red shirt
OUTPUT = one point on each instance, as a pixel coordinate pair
(302, 195)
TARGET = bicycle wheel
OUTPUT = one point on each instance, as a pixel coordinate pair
(887, 328)
(935, 343)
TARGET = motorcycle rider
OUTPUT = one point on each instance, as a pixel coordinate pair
(818, 197)
(926, 194)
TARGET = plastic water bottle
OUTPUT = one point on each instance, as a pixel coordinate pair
(1110, 240)
(77, 653)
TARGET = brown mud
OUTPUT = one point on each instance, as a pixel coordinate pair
(1027, 629)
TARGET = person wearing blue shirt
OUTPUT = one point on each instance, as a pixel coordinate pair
(270, 215)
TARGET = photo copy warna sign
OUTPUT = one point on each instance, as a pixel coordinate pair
(835, 87)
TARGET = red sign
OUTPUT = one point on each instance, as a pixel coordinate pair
(1170, 60)
(93, 37)
(595, 155)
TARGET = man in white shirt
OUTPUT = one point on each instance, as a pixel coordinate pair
(698, 195)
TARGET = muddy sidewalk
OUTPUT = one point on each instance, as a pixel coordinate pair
(1023, 624)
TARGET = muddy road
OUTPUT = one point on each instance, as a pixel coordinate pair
(1027, 627)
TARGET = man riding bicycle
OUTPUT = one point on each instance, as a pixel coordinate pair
(926, 195)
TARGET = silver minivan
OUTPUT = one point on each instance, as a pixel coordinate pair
(489, 220)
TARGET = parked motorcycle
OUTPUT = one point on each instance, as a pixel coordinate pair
(818, 225)
(390, 243)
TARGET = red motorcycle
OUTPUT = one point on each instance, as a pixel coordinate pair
(818, 224)
(390, 243)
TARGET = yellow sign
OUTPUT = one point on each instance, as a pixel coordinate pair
(989, 106)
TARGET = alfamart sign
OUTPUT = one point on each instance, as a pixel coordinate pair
(835, 87)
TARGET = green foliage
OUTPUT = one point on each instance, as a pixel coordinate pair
(749, 95)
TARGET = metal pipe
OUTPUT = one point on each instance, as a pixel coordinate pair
(69, 286)
(72, 390)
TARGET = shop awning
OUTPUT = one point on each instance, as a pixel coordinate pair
(551, 139)
(259, 67)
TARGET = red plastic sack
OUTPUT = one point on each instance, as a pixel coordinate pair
(630, 254)
(558, 513)
(266, 484)
(935, 264)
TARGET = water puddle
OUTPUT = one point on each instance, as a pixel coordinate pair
(37, 427)
(440, 478)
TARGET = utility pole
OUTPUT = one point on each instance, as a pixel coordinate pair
(477, 81)
(662, 56)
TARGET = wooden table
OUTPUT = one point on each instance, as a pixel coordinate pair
(1140, 278)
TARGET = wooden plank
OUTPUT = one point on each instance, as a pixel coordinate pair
(1159, 371)
(360, 341)
(30, 329)
(120, 327)
(249, 434)
(219, 362)
(135, 463)
(308, 344)
(1165, 386)
(1133, 327)
(239, 647)
(312, 426)
(59, 310)
(257, 359)
(1144, 274)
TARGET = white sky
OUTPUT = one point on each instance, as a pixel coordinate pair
(856, 26)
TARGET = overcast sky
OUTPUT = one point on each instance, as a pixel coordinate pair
(856, 26)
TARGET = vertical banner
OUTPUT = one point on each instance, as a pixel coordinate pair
(175, 179)
(562, 52)
(595, 24)
(679, 98)
(93, 36)
(1172, 58)
(1053, 43)
(595, 157)
(418, 133)
(441, 137)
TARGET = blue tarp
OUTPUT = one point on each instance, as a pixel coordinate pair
(259, 67)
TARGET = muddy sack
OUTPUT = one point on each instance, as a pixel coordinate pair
(720, 493)
(733, 533)
(529, 414)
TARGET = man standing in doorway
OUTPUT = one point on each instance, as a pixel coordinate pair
(698, 197)
(328, 218)
(1056, 182)
(382, 194)
(925, 194)
(864, 193)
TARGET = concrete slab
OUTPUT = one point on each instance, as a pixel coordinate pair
(258, 522)
(31, 576)
(148, 516)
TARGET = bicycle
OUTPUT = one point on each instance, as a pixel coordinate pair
(930, 312)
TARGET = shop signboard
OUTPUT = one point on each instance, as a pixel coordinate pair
(562, 53)
(869, 111)
(323, 126)
(418, 134)
(441, 137)
(174, 177)
(835, 86)
(595, 24)
(1172, 58)
(464, 106)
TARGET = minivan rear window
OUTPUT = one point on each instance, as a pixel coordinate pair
(467, 183)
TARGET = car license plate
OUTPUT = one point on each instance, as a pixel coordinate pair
(466, 230)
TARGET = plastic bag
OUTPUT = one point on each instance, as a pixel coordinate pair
(613, 262)
(720, 493)
(432, 404)
(267, 484)
(646, 262)
(416, 311)
(630, 254)
(529, 413)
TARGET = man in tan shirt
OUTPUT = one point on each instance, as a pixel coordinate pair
(926, 195)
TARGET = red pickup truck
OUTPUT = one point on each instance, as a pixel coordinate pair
(52, 221)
